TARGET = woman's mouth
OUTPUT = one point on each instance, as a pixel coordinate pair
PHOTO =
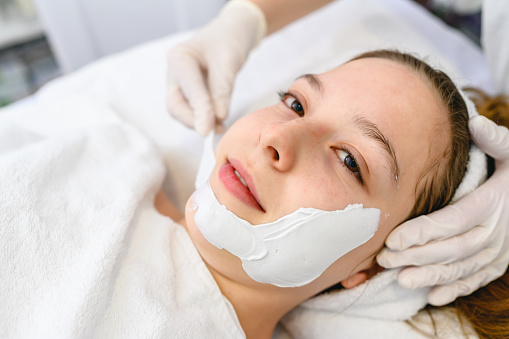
(240, 178)
(238, 182)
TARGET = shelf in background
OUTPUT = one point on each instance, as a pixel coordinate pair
(17, 31)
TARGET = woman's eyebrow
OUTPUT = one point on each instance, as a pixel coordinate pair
(314, 82)
(369, 129)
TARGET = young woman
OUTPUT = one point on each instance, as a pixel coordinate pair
(86, 254)
(201, 75)
(336, 139)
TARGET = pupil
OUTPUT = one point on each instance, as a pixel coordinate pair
(297, 107)
(350, 162)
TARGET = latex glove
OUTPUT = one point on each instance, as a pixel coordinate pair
(202, 70)
(463, 246)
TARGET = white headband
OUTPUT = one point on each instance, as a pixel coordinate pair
(477, 167)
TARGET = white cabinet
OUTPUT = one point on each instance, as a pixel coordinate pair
(81, 31)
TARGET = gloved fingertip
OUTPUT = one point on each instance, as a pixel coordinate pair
(394, 242)
(204, 122)
(383, 259)
(440, 296)
(479, 128)
(407, 280)
(222, 111)
(202, 128)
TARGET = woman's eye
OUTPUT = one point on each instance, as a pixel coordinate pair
(351, 164)
(290, 101)
(348, 160)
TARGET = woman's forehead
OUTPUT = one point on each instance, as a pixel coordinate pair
(399, 101)
(373, 73)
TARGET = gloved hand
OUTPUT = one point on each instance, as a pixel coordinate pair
(465, 245)
(202, 70)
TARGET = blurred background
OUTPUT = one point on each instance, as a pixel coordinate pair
(42, 39)
(26, 60)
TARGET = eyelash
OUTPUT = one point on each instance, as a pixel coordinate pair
(357, 175)
(284, 94)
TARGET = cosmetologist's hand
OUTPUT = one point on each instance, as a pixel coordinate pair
(465, 245)
(202, 70)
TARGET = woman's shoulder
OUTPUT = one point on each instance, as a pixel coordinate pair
(165, 207)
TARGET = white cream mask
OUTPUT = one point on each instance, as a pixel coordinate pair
(289, 252)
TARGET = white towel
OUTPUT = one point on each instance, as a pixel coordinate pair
(84, 253)
(376, 309)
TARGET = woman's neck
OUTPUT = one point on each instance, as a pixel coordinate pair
(258, 309)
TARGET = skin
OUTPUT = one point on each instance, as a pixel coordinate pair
(280, 13)
(296, 161)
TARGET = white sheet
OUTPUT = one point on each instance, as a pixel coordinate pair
(84, 252)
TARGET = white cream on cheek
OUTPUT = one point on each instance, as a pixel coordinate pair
(289, 252)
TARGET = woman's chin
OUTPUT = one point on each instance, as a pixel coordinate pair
(189, 212)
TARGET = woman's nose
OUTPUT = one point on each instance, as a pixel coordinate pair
(282, 143)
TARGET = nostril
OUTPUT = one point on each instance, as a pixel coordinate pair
(275, 154)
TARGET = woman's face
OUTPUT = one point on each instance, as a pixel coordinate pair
(363, 133)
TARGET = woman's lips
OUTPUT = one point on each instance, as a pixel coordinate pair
(233, 184)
